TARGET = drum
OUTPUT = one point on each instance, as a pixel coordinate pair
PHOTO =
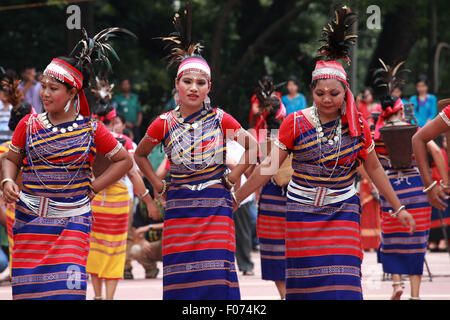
(397, 140)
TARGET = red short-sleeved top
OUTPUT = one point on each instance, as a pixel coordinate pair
(157, 130)
(289, 131)
(445, 115)
(103, 138)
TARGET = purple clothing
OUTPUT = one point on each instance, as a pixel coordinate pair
(32, 96)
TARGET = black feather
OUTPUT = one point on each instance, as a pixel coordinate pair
(264, 93)
(338, 36)
(388, 76)
(10, 85)
(180, 41)
(96, 48)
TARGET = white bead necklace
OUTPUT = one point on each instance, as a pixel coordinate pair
(336, 138)
(180, 118)
(336, 133)
(43, 117)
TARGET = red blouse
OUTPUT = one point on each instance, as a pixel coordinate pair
(289, 132)
(157, 130)
(103, 138)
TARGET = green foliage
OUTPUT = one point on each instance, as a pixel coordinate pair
(33, 36)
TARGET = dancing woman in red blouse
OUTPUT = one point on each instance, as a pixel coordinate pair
(56, 150)
(329, 141)
(198, 235)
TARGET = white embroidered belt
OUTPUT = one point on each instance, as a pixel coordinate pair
(319, 196)
(201, 186)
(45, 207)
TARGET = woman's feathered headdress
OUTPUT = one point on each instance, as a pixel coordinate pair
(103, 89)
(265, 93)
(338, 36)
(97, 48)
(269, 102)
(10, 84)
(180, 42)
(388, 76)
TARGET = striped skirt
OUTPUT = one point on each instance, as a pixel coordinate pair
(323, 251)
(401, 252)
(436, 232)
(199, 245)
(271, 227)
(10, 213)
(370, 217)
(107, 251)
(49, 256)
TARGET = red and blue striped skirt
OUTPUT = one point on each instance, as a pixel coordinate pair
(199, 245)
(400, 251)
(323, 251)
(271, 228)
(49, 256)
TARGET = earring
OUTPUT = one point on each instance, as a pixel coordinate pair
(77, 105)
(66, 108)
(343, 107)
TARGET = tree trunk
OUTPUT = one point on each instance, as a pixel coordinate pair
(432, 43)
(251, 49)
(395, 41)
(218, 37)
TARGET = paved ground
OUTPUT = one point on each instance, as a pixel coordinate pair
(253, 288)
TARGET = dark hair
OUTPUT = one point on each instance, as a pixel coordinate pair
(293, 79)
(422, 78)
(28, 67)
(388, 101)
(370, 89)
(127, 132)
(273, 123)
(122, 80)
(102, 108)
(121, 117)
(21, 111)
(267, 78)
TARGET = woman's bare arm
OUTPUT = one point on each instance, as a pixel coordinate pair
(378, 177)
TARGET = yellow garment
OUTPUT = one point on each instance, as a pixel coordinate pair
(110, 210)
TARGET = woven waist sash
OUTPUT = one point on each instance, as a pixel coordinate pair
(201, 186)
(46, 207)
(319, 196)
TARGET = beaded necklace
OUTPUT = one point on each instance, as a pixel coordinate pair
(334, 139)
(184, 136)
(39, 149)
(321, 154)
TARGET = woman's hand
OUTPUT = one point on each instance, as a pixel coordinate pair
(152, 210)
(161, 191)
(235, 206)
(92, 193)
(159, 186)
(139, 232)
(10, 192)
(407, 220)
(436, 196)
